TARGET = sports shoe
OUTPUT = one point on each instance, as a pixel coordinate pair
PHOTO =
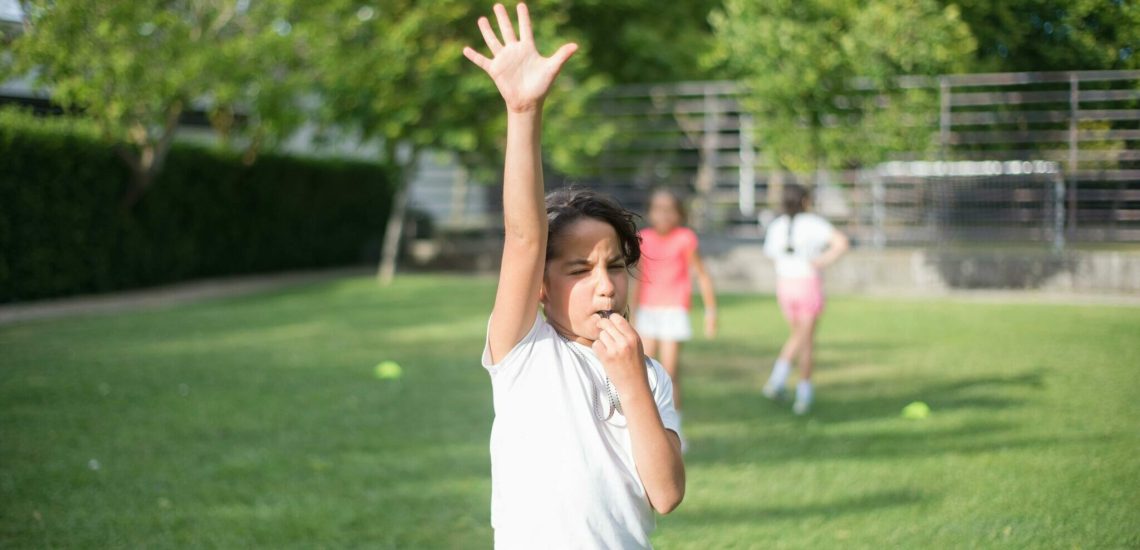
(802, 406)
(803, 398)
(774, 392)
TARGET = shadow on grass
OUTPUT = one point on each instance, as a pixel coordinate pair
(807, 447)
(745, 427)
(852, 505)
(870, 399)
(873, 399)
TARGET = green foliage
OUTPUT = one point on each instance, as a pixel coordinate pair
(396, 71)
(63, 231)
(1053, 35)
(258, 422)
(135, 66)
(800, 59)
(646, 41)
(391, 70)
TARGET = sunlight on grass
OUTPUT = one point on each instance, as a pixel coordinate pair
(259, 421)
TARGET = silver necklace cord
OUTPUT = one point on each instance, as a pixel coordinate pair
(611, 392)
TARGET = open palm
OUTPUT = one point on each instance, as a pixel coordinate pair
(522, 75)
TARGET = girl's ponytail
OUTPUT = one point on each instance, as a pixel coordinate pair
(793, 202)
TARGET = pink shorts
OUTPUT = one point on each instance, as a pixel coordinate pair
(800, 298)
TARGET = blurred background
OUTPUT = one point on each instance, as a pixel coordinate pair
(199, 198)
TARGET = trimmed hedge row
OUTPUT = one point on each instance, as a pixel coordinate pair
(63, 230)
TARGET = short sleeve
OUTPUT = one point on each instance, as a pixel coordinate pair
(691, 241)
(518, 354)
(663, 396)
(821, 229)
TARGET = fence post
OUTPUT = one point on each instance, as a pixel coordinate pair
(459, 185)
(1059, 213)
(878, 209)
(706, 171)
(747, 197)
(1071, 168)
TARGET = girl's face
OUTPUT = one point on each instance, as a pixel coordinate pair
(663, 214)
(587, 277)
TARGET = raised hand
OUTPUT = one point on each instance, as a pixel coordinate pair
(521, 74)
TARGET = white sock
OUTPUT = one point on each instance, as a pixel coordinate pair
(780, 372)
(803, 391)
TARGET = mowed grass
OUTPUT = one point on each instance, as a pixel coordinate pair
(258, 422)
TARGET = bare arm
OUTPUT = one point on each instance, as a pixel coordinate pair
(708, 295)
(837, 245)
(523, 78)
(656, 450)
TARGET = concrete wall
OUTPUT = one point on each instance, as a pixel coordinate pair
(742, 266)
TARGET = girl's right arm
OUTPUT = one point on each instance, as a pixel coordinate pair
(837, 245)
(523, 78)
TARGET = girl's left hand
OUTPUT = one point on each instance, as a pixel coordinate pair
(710, 325)
(619, 348)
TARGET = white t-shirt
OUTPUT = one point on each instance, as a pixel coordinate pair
(560, 477)
(810, 234)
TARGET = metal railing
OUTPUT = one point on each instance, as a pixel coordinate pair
(696, 136)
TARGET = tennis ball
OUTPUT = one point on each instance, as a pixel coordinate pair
(389, 370)
(916, 411)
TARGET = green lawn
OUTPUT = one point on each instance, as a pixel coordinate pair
(258, 422)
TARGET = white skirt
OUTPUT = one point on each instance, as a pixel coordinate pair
(664, 323)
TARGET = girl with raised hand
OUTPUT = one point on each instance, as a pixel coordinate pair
(585, 443)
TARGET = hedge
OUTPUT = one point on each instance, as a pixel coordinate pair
(63, 229)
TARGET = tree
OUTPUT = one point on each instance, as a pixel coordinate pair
(1053, 35)
(800, 59)
(135, 67)
(647, 41)
(389, 70)
(395, 72)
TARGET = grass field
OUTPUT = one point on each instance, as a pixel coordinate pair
(258, 421)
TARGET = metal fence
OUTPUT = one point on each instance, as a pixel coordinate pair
(1086, 125)
(1079, 132)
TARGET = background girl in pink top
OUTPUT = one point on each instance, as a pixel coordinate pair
(664, 289)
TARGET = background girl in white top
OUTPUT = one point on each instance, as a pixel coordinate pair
(585, 442)
(802, 244)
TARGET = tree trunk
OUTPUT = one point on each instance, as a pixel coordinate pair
(139, 182)
(146, 162)
(394, 231)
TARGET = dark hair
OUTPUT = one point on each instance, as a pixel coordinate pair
(566, 206)
(677, 202)
(793, 202)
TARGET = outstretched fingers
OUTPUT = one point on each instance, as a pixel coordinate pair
(489, 36)
(559, 58)
(477, 58)
(505, 27)
(525, 34)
